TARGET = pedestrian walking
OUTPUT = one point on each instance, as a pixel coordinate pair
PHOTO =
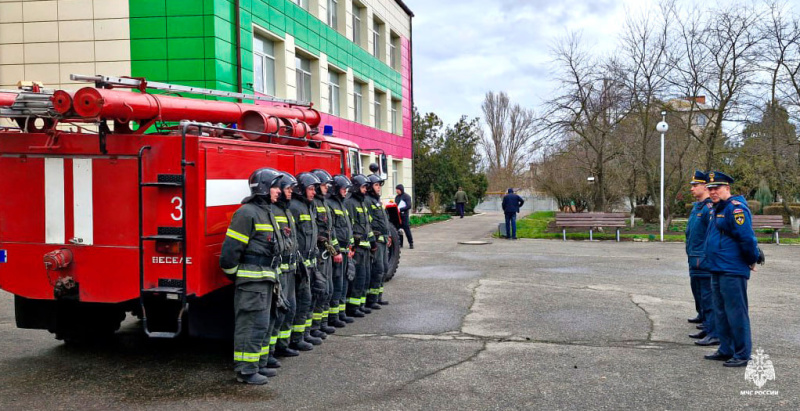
(731, 253)
(403, 201)
(461, 201)
(511, 205)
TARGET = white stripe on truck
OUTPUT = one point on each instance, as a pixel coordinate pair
(54, 226)
(226, 192)
(83, 206)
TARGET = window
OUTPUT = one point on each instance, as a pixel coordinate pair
(702, 120)
(301, 3)
(378, 117)
(355, 162)
(395, 117)
(358, 89)
(333, 93)
(356, 24)
(333, 14)
(303, 71)
(263, 66)
(376, 39)
(394, 52)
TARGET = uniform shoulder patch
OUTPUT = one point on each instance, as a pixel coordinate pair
(710, 205)
(736, 202)
(739, 218)
(737, 211)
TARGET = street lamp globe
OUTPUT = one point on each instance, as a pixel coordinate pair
(662, 127)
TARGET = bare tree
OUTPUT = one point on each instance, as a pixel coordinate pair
(512, 139)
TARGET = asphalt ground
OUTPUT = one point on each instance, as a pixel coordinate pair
(527, 324)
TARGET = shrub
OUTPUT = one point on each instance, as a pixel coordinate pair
(755, 206)
(778, 210)
(689, 208)
(648, 213)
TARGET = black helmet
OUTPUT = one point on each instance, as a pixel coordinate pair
(323, 176)
(305, 180)
(261, 181)
(339, 182)
(372, 180)
(359, 180)
(288, 180)
(374, 167)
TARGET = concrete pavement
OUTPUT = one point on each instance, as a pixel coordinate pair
(528, 324)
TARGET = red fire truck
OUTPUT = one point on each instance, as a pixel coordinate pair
(115, 200)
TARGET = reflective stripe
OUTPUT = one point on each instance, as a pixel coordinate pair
(281, 219)
(380, 290)
(285, 334)
(308, 322)
(316, 316)
(352, 240)
(238, 236)
(370, 219)
(311, 262)
(370, 235)
(299, 328)
(354, 301)
(342, 307)
(230, 270)
(305, 217)
(265, 350)
(359, 209)
(284, 266)
(373, 291)
(334, 310)
(255, 274)
(364, 299)
(382, 239)
(246, 356)
(273, 340)
(264, 227)
(321, 209)
(364, 244)
(338, 212)
(334, 242)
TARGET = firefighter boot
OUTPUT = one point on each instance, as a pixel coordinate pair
(372, 302)
(354, 311)
(344, 317)
(253, 379)
(324, 327)
(273, 362)
(381, 301)
(336, 321)
(365, 309)
(267, 372)
(315, 330)
(298, 343)
(309, 338)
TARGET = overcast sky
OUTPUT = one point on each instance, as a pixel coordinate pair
(464, 48)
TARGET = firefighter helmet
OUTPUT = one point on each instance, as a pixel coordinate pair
(359, 180)
(323, 176)
(372, 180)
(261, 181)
(341, 182)
(305, 180)
(288, 181)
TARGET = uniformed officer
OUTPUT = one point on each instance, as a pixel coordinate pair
(731, 253)
(327, 251)
(251, 257)
(343, 233)
(365, 244)
(288, 230)
(700, 279)
(380, 228)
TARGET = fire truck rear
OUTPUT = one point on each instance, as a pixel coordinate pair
(117, 202)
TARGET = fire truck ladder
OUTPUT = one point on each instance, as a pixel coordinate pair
(169, 291)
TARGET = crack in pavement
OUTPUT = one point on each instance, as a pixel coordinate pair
(646, 314)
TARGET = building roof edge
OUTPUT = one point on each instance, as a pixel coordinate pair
(404, 7)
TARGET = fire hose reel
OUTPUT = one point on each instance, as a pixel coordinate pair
(59, 260)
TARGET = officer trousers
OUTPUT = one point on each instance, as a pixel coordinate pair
(321, 302)
(732, 315)
(283, 329)
(302, 317)
(252, 303)
(704, 301)
(339, 279)
(356, 294)
(377, 272)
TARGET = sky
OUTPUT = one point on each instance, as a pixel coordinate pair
(464, 48)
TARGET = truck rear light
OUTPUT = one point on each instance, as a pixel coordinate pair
(168, 247)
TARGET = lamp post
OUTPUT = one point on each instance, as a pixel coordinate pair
(662, 128)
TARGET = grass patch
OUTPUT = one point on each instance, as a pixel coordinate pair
(418, 220)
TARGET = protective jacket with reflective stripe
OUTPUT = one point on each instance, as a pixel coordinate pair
(342, 226)
(379, 221)
(288, 231)
(305, 216)
(324, 218)
(359, 216)
(252, 236)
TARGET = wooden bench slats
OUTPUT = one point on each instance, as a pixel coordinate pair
(590, 220)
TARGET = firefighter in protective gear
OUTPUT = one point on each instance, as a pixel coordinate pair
(288, 278)
(365, 245)
(326, 253)
(343, 234)
(309, 281)
(380, 229)
(251, 257)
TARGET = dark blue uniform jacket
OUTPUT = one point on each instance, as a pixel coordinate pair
(731, 246)
(696, 231)
(512, 203)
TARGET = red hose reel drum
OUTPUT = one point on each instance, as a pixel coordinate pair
(263, 123)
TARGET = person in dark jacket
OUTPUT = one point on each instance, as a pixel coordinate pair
(511, 206)
(700, 280)
(403, 201)
(731, 252)
(365, 244)
(461, 201)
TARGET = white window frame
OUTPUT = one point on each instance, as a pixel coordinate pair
(377, 105)
(376, 40)
(301, 3)
(358, 102)
(356, 24)
(334, 91)
(395, 120)
(266, 59)
(304, 79)
(333, 14)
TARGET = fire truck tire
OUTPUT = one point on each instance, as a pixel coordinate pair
(393, 254)
(78, 323)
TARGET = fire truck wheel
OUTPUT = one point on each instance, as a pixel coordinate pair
(81, 323)
(393, 254)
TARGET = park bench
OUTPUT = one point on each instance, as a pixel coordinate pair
(590, 220)
(774, 222)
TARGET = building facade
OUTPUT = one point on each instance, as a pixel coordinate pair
(350, 58)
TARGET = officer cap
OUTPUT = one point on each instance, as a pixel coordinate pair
(717, 178)
(699, 178)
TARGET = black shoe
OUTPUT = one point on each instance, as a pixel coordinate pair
(695, 320)
(327, 329)
(701, 334)
(411, 246)
(355, 313)
(319, 334)
(336, 322)
(253, 379)
(374, 306)
(273, 362)
(733, 362)
(267, 372)
(365, 309)
(286, 352)
(301, 345)
(700, 327)
(312, 340)
(347, 319)
(717, 357)
(709, 340)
